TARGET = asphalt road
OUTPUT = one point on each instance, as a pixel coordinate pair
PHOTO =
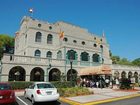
(22, 101)
(130, 101)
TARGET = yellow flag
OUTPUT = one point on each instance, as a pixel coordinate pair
(61, 35)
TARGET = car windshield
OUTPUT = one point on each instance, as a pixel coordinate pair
(5, 87)
(44, 85)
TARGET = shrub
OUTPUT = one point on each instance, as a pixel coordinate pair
(19, 84)
(74, 91)
(64, 84)
(125, 83)
(24, 84)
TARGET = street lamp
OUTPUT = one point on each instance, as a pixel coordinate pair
(48, 67)
(71, 61)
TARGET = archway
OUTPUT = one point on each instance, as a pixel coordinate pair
(116, 75)
(54, 74)
(37, 74)
(71, 74)
(17, 73)
(136, 77)
(130, 74)
(123, 74)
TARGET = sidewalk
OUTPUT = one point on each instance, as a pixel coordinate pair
(101, 96)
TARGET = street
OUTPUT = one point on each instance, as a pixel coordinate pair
(129, 101)
(22, 101)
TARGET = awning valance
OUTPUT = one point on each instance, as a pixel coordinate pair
(102, 69)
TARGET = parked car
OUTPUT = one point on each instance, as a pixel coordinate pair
(7, 95)
(41, 92)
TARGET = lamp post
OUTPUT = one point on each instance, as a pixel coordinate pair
(48, 67)
(71, 61)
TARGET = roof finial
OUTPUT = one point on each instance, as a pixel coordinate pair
(31, 12)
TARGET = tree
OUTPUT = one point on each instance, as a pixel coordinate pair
(6, 44)
(115, 59)
(124, 61)
(136, 62)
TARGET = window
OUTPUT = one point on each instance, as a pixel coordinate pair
(65, 39)
(38, 37)
(83, 43)
(49, 39)
(95, 58)
(74, 41)
(49, 54)
(50, 27)
(84, 56)
(37, 53)
(101, 46)
(59, 55)
(71, 55)
(94, 38)
(39, 25)
(95, 45)
(101, 40)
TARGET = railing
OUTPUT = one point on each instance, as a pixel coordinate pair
(17, 59)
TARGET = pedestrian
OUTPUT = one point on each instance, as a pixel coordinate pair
(97, 84)
(107, 82)
(117, 83)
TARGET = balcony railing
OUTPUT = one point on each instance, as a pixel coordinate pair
(17, 59)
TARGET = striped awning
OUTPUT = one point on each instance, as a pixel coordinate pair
(102, 69)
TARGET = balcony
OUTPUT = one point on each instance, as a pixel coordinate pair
(17, 59)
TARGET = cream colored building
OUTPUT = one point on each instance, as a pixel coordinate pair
(44, 51)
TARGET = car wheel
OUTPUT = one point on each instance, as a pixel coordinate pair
(33, 100)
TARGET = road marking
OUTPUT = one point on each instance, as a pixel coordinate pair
(22, 101)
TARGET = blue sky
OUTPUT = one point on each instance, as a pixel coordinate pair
(120, 19)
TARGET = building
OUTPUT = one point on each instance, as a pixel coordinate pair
(46, 51)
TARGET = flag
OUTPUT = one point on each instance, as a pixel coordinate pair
(61, 35)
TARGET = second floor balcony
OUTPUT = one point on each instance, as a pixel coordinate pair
(18, 59)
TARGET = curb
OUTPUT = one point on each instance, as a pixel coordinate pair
(99, 101)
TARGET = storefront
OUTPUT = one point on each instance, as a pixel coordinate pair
(96, 73)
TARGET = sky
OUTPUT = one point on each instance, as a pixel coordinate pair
(119, 19)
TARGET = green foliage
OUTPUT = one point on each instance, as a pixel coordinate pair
(74, 91)
(115, 59)
(23, 84)
(6, 44)
(136, 62)
(124, 61)
(64, 84)
(19, 84)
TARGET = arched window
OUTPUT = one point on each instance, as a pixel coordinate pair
(65, 39)
(49, 54)
(49, 39)
(84, 56)
(95, 58)
(71, 55)
(59, 55)
(83, 43)
(37, 53)
(38, 37)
